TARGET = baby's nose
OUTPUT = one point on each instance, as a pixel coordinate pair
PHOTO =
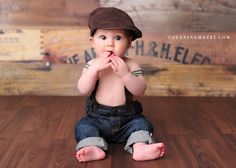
(110, 43)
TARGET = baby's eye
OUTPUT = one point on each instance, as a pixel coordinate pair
(117, 37)
(102, 37)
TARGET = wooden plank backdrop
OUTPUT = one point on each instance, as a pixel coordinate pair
(162, 80)
(71, 45)
(19, 44)
(164, 16)
(45, 12)
(43, 47)
(180, 15)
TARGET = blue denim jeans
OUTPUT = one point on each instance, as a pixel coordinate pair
(120, 124)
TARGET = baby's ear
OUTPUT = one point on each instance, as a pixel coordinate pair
(130, 41)
(91, 41)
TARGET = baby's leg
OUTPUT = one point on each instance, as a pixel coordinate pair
(90, 153)
(87, 135)
(144, 151)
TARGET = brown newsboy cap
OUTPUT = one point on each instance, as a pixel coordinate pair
(112, 18)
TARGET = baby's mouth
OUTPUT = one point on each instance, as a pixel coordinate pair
(110, 53)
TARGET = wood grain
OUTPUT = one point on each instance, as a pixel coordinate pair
(45, 13)
(35, 78)
(34, 136)
(161, 16)
(179, 16)
(191, 80)
(20, 45)
(71, 45)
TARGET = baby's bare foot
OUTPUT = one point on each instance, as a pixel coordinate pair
(90, 153)
(144, 151)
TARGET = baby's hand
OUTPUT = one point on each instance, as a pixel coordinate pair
(102, 62)
(119, 66)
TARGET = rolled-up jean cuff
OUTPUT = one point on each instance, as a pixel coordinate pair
(92, 141)
(138, 136)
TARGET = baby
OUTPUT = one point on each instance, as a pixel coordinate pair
(111, 80)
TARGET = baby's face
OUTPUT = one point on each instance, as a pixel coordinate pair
(114, 41)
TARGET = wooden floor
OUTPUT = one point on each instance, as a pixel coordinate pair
(38, 132)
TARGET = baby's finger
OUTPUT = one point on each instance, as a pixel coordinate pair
(108, 59)
(120, 61)
(113, 67)
(114, 61)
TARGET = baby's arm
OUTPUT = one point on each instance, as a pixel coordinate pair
(90, 73)
(131, 74)
(87, 79)
(134, 80)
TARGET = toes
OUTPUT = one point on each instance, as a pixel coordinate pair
(162, 152)
(160, 145)
(79, 155)
(80, 159)
(161, 148)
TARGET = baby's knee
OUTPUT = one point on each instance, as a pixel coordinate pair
(84, 129)
(81, 125)
(142, 123)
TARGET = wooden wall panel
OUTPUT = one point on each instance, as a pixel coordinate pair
(191, 80)
(71, 45)
(149, 15)
(36, 33)
(37, 79)
(45, 12)
(179, 15)
(67, 45)
(20, 44)
(162, 80)
(186, 48)
(181, 48)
